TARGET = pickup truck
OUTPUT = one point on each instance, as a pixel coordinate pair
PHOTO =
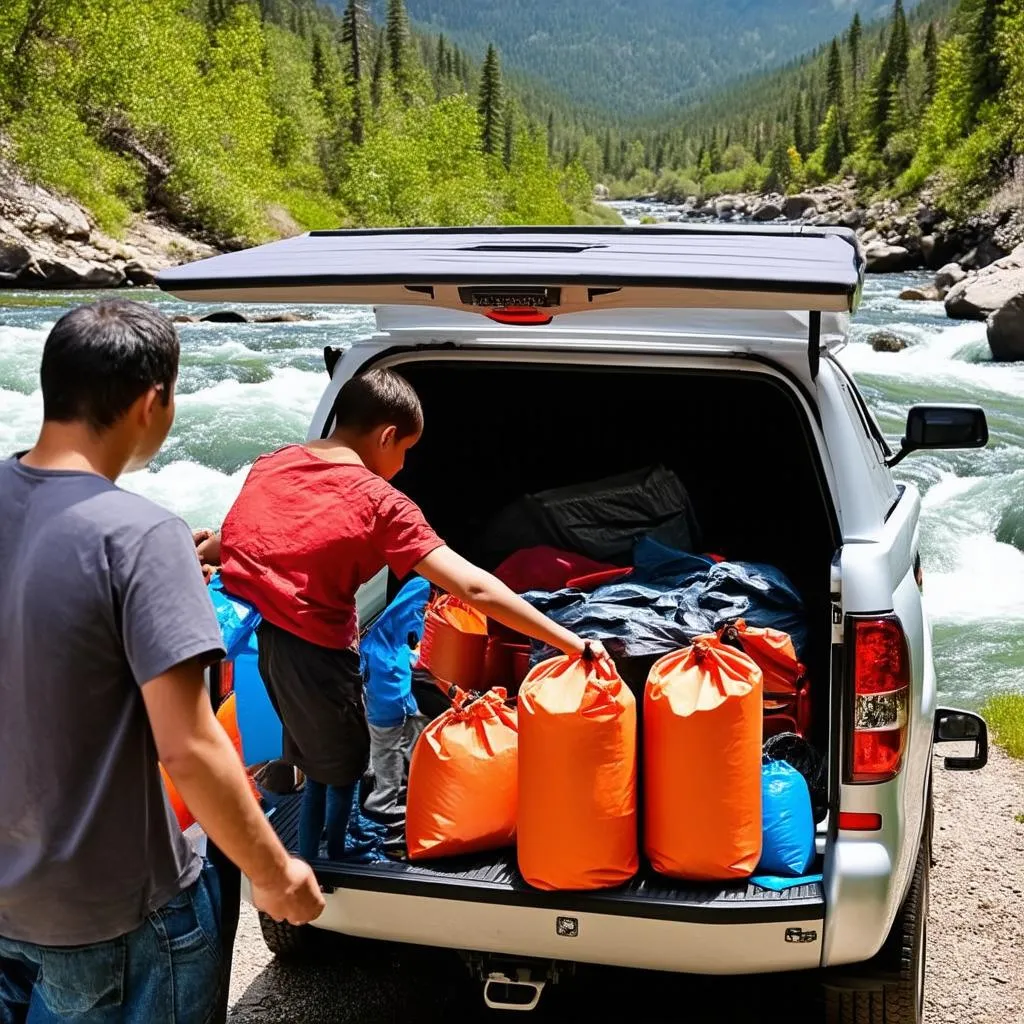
(709, 350)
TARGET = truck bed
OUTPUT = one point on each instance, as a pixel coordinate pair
(494, 878)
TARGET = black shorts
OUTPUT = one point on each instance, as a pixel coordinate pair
(318, 695)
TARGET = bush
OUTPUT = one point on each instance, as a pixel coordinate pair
(1005, 717)
(972, 169)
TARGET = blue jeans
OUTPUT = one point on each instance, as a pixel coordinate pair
(167, 971)
(329, 806)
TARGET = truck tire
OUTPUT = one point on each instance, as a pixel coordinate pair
(891, 990)
(285, 940)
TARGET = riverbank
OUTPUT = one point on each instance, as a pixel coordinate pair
(50, 242)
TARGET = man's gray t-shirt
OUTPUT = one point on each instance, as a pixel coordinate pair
(100, 592)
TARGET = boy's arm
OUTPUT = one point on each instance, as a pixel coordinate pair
(453, 573)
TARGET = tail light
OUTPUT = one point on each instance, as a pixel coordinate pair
(881, 699)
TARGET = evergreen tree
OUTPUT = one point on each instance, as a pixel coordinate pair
(440, 57)
(779, 170)
(510, 135)
(832, 147)
(931, 63)
(351, 36)
(377, 75)
(397, 36)
(606, 152)
(890, 78)
(856, 39)
(551, 132)
(319, 64)
(800, 141)
(834, 78)
(981, 18)
(490, 105)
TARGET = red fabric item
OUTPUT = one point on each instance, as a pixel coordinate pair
(545, 568)
(598, 579)
(305, 534)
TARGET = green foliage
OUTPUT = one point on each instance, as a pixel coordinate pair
(1005, 716)
(827, 160)
(490, 105)
(931, 62)
(246, 121)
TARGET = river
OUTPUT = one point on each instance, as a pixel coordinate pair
(246, 388)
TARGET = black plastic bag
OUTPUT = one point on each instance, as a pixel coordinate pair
(600, 519)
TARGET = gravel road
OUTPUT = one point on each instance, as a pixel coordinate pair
(976, 937)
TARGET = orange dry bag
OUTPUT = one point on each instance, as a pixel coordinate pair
(462, 780)
(702, 763)
(227, 716)
(787, 704)
(454, 642)
(577, 776)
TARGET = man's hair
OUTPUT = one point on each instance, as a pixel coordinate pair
(375, 399)
(101, 358)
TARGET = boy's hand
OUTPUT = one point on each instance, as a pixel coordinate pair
(597, 651)
(208, 551)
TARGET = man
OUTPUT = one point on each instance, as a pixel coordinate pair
(106, 913)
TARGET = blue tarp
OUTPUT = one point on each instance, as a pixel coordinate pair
(237, 618)
(673, 597)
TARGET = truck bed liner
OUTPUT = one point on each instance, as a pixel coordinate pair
(494, 878)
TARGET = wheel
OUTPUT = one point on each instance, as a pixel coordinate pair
(286, 940)
(891, 990)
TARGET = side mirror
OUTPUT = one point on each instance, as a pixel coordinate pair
(954, 726)
(944, 427)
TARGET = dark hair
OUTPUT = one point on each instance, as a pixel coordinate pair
(100, 358)
(377, 398)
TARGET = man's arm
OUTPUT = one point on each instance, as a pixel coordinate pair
(198, 755)
(453, 573)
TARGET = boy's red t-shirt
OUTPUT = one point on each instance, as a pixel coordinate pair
(305, 534)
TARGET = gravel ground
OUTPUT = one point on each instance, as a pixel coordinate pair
(976, 936)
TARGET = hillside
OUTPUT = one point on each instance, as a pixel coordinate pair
(242, 120)
(629, 57)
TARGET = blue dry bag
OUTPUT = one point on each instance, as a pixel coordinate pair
(788, 823)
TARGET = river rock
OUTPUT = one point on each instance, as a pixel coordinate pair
(724, 206)
(225, 316)
(795, 207)
(14, 258)
(980, 294)
(1006, 330)
(851, 218)
(920, 295)
(71, 272)
(139, 274)
(601, 192)
(948, 276)
(984, 254)
(883, 258)
(767, 212)
(184, 318)
(884, 341)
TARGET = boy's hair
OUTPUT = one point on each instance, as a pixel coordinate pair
(378, 398)
(100, 358)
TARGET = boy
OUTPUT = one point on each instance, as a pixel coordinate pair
(313, 523)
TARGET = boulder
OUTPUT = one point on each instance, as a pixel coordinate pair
(1006, 330)
(948, 276)
(139, 274)
(725, 205)
(225, 316)
(601, 192)
(14, 258)
(72, 272)
(286, 317)
(767, 212)
(887, 259)
(984, 254)
(184, 318)
(981, 294)
(851, 218)
(794, 207)
(919, 295)
(884, 341)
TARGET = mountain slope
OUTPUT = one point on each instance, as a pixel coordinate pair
(631, 55)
